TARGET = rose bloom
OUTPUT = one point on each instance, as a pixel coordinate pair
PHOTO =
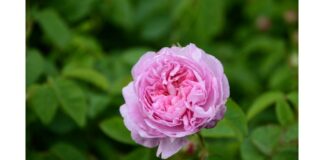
(175, 93)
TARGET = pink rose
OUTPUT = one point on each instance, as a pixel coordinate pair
(175, 93)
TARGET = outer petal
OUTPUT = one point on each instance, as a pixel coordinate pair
(214, 65)
(147, 142)
(226, 88)
(169, 147)
(133, 116)
(142, 63)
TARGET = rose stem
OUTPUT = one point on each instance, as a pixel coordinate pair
(204, 151)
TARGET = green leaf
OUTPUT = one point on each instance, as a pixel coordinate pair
(115, 128)
(207, 10)
(291, 133)
(66, 151)
(138, 154)
(44, 103)
(250, 152)
(120, 12)
(236, 119)
(156, 28)
(284, 113)
(266, 138)
(293, 98)
(34, 66)
(285, 155)
(98, 103)
(88, 75)
(262, 102)
(222, 129)
(62, 124)
(54, 27)
(71, 98)
(221, 148)
(132, 55)
(73, 9)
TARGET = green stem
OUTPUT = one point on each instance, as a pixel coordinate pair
(204, 152)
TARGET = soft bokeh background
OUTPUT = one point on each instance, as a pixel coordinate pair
(80, 52)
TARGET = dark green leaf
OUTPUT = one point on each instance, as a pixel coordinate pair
(54, 27)
(71, 98)
(131, 56)
(138, 154)
(156, 28)
(87, 75)
(34, 66)
(293, 98)
(210, 19)
(235, 117)
(291, 134)
(286, 155)
(73, 9)
(262, 102)
(250, 152)
(266, 138)
(284, 113)
(66, 151)
(222, 148)
(115, 128)
(44, 103)
(222, 129)
(120, 12)
(98, 103)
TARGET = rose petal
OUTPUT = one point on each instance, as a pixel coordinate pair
(167, 147)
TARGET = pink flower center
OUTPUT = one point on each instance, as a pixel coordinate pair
(172, 90)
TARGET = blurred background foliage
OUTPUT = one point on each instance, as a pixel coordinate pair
(80, 53)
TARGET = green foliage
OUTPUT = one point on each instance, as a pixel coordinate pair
(44, 103)
(115, 128)
(87, 75)
(263, 101)
(140, 154)
(284, 112)
(71, 98)
(54, 27)
(266, 138)
(66, 151)
(234, 124)
(80, 54)
(34, 66)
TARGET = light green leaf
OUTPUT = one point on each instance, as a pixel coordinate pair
(71, 98)
(266, 138)
(87, 75)
(54, 27)
(66, 151)
(44, 103)
(284, 113)
(138, 154)
(293, 98)
(236, 119)
(34, 66)
(115, 128)
(250, 152)
(262, 102)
